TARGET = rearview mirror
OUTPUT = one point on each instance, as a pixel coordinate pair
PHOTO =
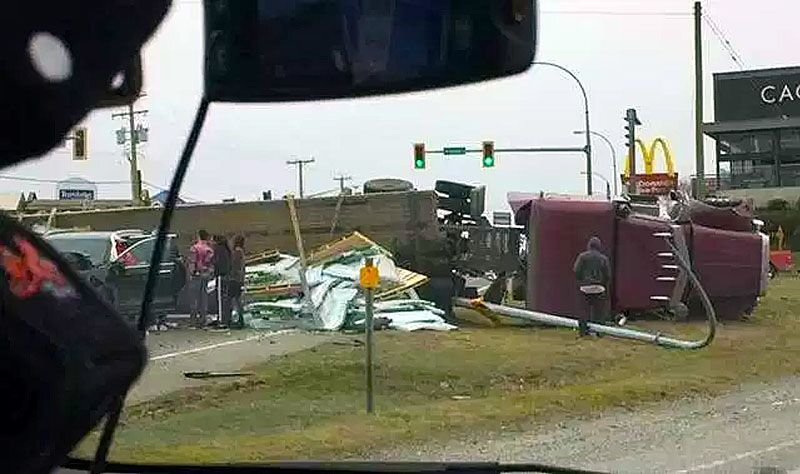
(288, 50)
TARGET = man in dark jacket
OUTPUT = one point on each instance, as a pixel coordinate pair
(222, 270)
(237, 279)
(593, 275)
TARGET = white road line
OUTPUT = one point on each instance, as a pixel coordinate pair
(739, 457)
(211, 347)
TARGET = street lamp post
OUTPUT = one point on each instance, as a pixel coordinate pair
(588, 146)
(608, 184)
(613, 156)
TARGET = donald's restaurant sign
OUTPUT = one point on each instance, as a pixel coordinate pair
(650, 183)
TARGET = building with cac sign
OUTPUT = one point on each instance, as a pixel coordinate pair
(757, 133)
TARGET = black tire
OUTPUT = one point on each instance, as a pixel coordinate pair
(387, 185)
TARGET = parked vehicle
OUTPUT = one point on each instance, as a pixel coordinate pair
(116, 265)
(780, 261)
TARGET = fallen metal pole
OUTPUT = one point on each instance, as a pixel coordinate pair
(614, 331)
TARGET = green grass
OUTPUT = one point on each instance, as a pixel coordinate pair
(310, 405)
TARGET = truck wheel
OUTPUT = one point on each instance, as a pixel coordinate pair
(387, 185)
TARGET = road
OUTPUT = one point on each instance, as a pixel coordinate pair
(755, 429)
(180, 350)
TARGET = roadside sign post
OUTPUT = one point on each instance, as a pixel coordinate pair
(370, 280)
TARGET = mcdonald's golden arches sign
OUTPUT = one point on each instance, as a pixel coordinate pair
(650, 183)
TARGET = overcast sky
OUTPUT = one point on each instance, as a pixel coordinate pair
(641, 61)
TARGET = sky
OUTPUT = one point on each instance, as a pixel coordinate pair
(627, 53)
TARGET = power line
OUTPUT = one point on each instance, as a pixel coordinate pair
(27, 179)
(736, 57)
(54, 181)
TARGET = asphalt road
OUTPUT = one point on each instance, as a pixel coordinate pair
(753, 430)
(177, 351)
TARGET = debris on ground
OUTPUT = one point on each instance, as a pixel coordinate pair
(215, 375)
(273, 292)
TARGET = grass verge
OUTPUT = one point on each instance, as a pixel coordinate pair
(310, 405)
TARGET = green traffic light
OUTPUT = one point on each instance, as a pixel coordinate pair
(419, 164)
(488, 161)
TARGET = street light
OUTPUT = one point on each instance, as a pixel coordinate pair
(587, 131)
(613, 156)
(598, 175)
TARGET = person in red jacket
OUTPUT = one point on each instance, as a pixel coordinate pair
(201, 271)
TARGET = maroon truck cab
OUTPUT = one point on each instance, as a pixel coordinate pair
(729, 257)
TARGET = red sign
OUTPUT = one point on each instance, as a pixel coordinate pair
(655, 184)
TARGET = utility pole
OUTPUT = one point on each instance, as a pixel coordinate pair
(133, 158)
(341, 180)
(698, 102)
(300, 164)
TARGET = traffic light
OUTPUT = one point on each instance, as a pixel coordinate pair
(419, 156)
(631, 121)
(488, 154)
(79, 144)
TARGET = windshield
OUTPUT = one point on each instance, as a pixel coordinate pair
(533, 294)
(97, 249)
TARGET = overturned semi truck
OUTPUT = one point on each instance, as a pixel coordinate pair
(724, 246)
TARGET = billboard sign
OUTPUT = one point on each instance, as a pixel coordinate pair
(759, 94)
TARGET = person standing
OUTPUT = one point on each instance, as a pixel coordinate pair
(222, 270)
(237, 279)
(593, 274)
(201, 270)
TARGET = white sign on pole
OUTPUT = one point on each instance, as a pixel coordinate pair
(76, 189)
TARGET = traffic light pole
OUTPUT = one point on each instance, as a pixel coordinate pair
(517, 150)
(631, 120)
(587, 149)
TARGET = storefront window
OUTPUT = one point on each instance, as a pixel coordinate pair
(790, 139)
(746, 173)
(745, 143)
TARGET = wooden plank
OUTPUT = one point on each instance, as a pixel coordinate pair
(354, 241)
